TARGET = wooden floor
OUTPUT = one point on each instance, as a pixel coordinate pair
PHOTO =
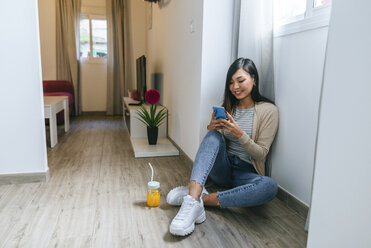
(96, 197)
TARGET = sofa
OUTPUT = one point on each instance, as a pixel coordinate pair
(60, 88)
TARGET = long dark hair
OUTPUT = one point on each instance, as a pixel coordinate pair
(230, 101)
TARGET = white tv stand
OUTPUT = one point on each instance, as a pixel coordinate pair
(138, 133)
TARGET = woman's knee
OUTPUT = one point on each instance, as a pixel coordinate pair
(213, 140)
(214, 136)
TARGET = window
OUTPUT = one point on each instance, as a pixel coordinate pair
(99, 40)
(288, 10)
(318, 3)
(93, 37)
(84, 37)
(298, 15)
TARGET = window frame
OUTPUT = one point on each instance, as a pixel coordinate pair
(91, 58)
(313, 18)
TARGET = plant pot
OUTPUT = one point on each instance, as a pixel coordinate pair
(152, 134)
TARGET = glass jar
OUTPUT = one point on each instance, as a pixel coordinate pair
(153, 194)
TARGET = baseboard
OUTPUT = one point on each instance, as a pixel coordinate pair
(93, 113)
(292, 202)
(38, 177)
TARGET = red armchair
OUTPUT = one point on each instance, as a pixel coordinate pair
(60, 88)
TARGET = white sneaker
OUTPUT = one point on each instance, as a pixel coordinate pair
(190, 212)
(176, 195)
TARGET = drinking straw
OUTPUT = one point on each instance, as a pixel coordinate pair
(151, 170)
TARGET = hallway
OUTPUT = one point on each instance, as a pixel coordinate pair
(96, 197)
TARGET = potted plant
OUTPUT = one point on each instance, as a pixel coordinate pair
(152, 119)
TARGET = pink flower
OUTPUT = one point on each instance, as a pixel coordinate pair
(152, 96)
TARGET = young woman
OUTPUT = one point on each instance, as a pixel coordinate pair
(233, 153)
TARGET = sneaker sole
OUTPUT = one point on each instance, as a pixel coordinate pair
(186, 231)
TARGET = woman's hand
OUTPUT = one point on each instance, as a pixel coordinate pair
(231, 126)
(214, 123)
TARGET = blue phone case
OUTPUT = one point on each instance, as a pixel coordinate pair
(219, 112)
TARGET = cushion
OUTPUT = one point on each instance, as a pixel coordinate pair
(57, 86)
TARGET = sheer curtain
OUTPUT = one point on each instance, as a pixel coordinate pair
(67, 31)
(256, 42)
(118, 64)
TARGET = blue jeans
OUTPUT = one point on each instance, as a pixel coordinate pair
(247, 187)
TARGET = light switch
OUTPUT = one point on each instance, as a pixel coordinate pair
(191, 27)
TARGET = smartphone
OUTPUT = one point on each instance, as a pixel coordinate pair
(219, 112)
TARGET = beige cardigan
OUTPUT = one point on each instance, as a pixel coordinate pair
(265, 125)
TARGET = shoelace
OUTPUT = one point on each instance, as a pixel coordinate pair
(184, 210)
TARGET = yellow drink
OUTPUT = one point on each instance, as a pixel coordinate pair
(153, 198)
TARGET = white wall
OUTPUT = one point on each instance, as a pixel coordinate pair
(93, 76)
(216, 56)
(192, 48)
(22, 142)
(341, 203)
(47, 21)
(299, 60)
(176, 52)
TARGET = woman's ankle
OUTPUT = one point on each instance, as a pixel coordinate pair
(211, 200)
(195, 190)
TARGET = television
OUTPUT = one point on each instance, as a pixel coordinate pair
(141, 78)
